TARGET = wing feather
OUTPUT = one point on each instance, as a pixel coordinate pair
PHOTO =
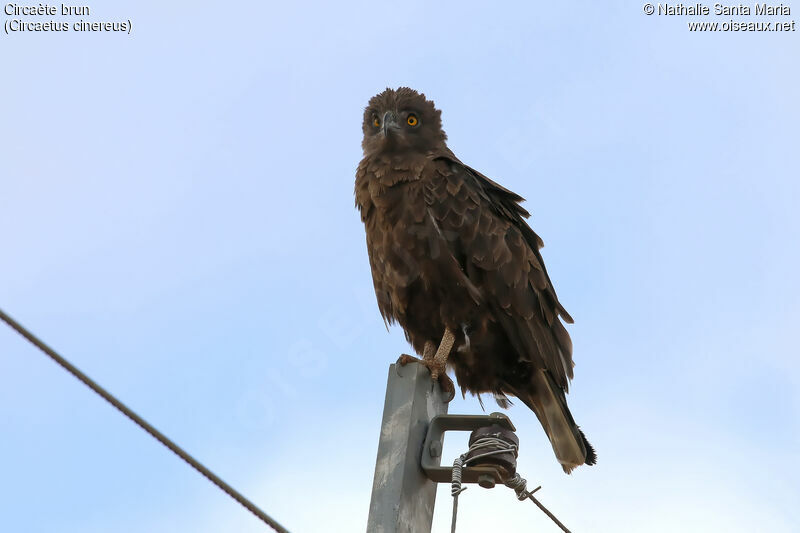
(500, 255)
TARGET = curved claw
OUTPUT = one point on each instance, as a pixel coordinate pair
(440, 375)
(404, 359)
(448, 388)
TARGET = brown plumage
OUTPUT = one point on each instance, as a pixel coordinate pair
(450, 250)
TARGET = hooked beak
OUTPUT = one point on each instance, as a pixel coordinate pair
(389, 123)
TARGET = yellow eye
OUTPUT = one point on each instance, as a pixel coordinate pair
(375, 121)
(412, 120)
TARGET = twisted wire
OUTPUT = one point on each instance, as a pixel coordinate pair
(456, 488)
(519, 484)
(515, 482)
(455, 483)
(488, 441)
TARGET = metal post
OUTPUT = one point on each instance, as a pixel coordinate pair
(402, 495)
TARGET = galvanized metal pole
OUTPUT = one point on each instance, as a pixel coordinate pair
(402, 495)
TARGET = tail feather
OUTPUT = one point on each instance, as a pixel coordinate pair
(547, 400)
(591, 455)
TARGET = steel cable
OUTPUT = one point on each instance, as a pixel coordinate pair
(160, 437)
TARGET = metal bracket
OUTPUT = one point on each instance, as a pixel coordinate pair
(485, 476)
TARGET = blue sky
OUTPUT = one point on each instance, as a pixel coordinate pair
(177, 219)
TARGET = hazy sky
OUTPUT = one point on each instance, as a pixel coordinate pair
(176, 214)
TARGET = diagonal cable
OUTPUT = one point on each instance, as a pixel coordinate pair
(486, 446)
(547, 512)
(160, 437)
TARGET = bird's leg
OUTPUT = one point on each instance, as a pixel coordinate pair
(438, 366)
(429, 352)
(435, 359)
(442, 353)
(427, 356)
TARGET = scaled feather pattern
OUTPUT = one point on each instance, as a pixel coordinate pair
(450, 248)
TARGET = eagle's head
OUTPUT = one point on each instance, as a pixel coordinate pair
(401, 121)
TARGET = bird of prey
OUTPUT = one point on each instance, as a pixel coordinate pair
(456, 265)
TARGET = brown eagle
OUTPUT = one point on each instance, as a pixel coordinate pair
(456, 265)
